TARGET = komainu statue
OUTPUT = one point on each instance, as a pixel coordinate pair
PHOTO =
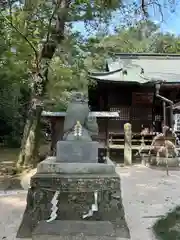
(161, 146)
(78, 111)
(163, 150)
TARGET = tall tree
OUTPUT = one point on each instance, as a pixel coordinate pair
(41, 26)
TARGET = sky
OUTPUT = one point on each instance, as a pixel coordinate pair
(172, 25)
(172, 22)
(169, 23)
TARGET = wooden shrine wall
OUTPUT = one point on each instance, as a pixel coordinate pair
(141, 110)
(119, 99)
(134, 107)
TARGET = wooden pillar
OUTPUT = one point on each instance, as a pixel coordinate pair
(107, 138)
(164, 113)
(56, 132)
(106, 105)
(171, 117)
(52, 149)
(154, 113)
(127, 144)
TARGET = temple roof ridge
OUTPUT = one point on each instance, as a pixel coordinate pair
(148, 55)
(141, 68)
(96, 74)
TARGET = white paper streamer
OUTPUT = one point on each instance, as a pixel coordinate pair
(94, 206)
(78, 129)
(54, 207)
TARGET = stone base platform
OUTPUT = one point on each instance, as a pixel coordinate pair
(49, 165)
(74, 230)
(172, 162)
(75, 191)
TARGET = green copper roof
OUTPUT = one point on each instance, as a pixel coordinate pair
(141, 68)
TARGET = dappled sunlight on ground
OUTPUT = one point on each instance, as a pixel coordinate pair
(175, 175)
(147, 195)
(12, 201)
(149, 188)
(7, 162)
(11, 211)
(126, 174)
(8, 156)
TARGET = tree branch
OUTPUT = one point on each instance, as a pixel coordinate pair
(21, 34)
(50, 21)
(144, 6)
(10, 9)
(159, 7)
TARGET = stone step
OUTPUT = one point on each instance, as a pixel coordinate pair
(50, 165)
(74, 230)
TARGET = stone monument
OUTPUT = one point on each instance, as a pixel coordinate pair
(72, 196)
(79, 129)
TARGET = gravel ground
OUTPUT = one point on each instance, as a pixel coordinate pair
(147, 194)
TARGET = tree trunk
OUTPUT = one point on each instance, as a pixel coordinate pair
(28, 156)
(30, 144)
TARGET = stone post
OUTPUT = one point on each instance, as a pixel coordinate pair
(127, 144)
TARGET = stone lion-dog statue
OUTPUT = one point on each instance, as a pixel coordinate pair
(161, 148)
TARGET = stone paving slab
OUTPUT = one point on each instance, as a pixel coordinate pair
(147, 195)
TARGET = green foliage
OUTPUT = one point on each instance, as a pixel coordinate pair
(25, 30)
(145, 36)
(13, 79)
(12, 113)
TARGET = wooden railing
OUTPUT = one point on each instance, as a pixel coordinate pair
(117, 141)
(129, 141)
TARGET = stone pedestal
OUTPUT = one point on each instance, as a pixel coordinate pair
(76, 184)
(172, 162)
(77, 151)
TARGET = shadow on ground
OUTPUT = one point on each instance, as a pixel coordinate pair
(9, 179)
(10, 183)
(168, 227)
